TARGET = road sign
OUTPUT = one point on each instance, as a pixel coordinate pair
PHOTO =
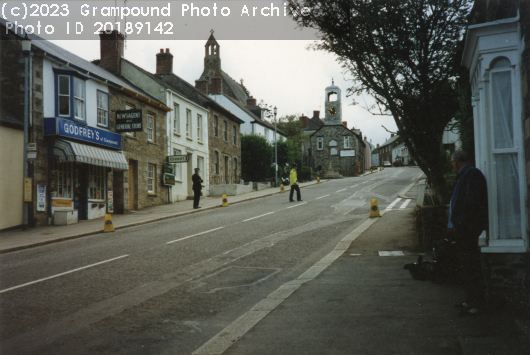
(169, 169)
(178, 159)
(32, 151)
(169, 179)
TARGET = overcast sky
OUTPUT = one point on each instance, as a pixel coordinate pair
(282, 73)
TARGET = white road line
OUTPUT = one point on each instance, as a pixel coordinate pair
(389, 207)
(191, 236)
(296, 205)
(318, 198)
(263, 215)
(341, 190)
(61, 274)
(355, 185)
(404, 205)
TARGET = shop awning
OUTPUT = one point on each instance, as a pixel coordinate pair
(75, 152)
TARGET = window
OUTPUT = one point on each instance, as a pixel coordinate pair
(176, 118)
(234, 135)
(225, 130)
(150, 127)
(178, 170)
(103, 109)
(235, 170)
(346, 142)
(199, 128)
(216, 126)
(96, 182)
(130, 107)
(71, 95)
(200, 165)
(216, 162)
(188, 123)
(320, 143)
(61, 180)
(266, 133)
(151, 178)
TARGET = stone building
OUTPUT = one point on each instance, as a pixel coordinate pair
(497, 54)
(386, 149)
(335, 150)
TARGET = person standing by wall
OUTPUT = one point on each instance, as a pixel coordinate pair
(468, 217)
(197, 187)
(294, 184)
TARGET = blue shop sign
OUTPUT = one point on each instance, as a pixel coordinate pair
(65, 128)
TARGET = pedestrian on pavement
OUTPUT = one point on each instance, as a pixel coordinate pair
(197, 187)
(294, 184)
(358, 167)
(468, 217)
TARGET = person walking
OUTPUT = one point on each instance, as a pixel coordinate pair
(294, 184)
(196, 187)
(468, 217)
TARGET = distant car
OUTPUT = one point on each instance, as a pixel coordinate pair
(386, 163)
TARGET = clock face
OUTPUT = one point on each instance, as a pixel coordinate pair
(332, 111)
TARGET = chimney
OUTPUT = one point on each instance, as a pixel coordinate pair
(391, 135)
(377, 145)
(251, 101)
(217, 85)
(202, 85)
(304, 121)
(345, 124)
(365, 138)
(111, 51)
(316, 115)
(164, 62)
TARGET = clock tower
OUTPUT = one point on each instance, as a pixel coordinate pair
(333, 105)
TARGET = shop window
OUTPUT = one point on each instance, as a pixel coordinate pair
(150, 127)
(61, 179)
(103, 109)
(199, 128)
(151, 178)
(188, 124)
(216, 126)
(70, 95)
(96, 182)
(176, 119)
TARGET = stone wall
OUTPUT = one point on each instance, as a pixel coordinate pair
(143, 152)
(224, 148)
(346, 166)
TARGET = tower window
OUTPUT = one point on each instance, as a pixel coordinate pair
(332, 96)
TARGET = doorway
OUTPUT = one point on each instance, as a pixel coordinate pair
(190, 173)
(227, 171)
(81, 192)
(133, 185)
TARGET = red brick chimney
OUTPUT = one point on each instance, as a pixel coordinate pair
(365, 138)
(377, 145)
(391, 135)
(304, 121)
(217, 85)
(164, 62)
(111, 51)
(316, 114)
(251, 101)
(202, 85)
(345, 124)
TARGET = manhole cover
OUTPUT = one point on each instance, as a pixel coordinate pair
(233, 277)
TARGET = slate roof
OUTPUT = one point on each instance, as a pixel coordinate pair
(391, 140)
(346, 128)
(75, 62)
(234, 89)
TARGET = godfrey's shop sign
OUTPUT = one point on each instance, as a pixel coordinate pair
(69, 129)
(129, 121)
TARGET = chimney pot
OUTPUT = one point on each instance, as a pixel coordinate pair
(161, 50)
(164, 62)
(167, 50)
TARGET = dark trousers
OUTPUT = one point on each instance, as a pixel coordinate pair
(471, 272)
(293, 188)
(196, 198)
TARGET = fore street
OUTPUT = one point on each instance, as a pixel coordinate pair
(170, 286)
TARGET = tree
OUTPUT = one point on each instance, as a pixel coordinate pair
(405, 54)
(257, 156)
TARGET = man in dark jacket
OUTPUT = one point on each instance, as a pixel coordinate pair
(197, 187)
(468, 217)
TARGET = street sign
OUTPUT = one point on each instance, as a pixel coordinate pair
(129, 121)
(32, 151)
(168, 179)
(169, 169)
(178, 159)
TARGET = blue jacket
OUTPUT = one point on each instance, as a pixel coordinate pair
(469, 204)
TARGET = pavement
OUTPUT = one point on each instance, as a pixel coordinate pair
(353, 301)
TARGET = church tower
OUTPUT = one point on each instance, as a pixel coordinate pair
(333, 105)
(212, 60)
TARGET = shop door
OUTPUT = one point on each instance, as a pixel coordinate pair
(81, 198)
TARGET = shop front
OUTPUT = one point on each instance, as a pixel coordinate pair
(81, 161)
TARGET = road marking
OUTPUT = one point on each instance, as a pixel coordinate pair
(61, 274)
(237, 329)
(296, 205)
(391, 253)
(318, 198)
(404, 205)
(341, 190)
(389, 207)
(191, 236)
(263, 215)
(355, 185)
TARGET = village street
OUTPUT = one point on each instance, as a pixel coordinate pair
(170, 286)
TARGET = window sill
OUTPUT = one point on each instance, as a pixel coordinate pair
(200, 142)
(152, 194)
(131, 137)
(176, 134)
(190, 139)
(153, 143)
(103, 126)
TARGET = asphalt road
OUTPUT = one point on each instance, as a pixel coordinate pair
(168, 287)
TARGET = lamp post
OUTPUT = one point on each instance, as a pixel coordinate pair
(275, 149)
(26, 49)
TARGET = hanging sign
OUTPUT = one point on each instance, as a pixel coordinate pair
(129, 121)
(178, 159)
(41, 197)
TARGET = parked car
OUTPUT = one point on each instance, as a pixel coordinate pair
(386, 163)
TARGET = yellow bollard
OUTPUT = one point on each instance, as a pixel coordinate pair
(318, 180)
(225, 202)
(374, 209)
(108, 226)
(371, 171)
(282, 189)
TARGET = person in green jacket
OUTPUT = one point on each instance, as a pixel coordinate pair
(294, 184)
